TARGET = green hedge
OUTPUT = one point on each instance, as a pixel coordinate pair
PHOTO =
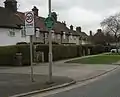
(64, 52)
(97, 49)
(60, 52)
(25, 50)
(8, 54)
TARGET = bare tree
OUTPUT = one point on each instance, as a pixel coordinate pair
(112, 25)
(109, 38)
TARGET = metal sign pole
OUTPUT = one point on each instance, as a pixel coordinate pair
(50, 48)
(29, 24)
(31, 58)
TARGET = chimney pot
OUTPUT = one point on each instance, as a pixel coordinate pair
(35, 10)
(71, 27)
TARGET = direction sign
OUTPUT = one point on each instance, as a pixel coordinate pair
(49, 22)
(29, 23)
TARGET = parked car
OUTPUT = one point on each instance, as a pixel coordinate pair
(115, 50)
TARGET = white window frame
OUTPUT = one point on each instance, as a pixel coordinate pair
(46, 35)
(74, 37)
(58, 36)
(71, 37)
(37, 34)
(64, 35)
(53, 34)
(12, 32)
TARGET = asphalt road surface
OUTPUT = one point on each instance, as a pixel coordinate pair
(108, 86)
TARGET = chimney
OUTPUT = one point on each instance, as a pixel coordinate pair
(71, 27)
(78, 29)
(11, 5)
(64, 23)
(99, 30)
(90, 33)
(35, 10)
(54, 16)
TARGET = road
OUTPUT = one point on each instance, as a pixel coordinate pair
(108, 86)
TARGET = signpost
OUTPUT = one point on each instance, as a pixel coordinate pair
(49, 22)
(29, 24)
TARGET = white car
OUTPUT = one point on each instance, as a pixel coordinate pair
(115, 50)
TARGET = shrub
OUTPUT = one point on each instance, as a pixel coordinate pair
(97, 49)
(19, 43)
(8, 54)
(37, 43)
(25, 50)
(60, 51)
(107, 48)
(64, 52)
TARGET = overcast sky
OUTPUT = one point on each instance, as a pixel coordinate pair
(85, 13)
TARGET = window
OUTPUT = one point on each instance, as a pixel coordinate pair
(53, 35)
(46, 35)
(23, 32)
(58, 36)
(64, 36)
(37, 32)
(74, 37)
(11, 32)
(71, 37)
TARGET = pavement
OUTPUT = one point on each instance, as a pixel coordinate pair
(16, 80)
(20, 84)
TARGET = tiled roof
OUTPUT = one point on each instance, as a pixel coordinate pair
(74, 33)
(39, 23)
(83, 34)
(60, 27)
(8, 19)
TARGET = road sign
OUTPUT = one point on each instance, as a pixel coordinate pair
(29, 23)
(49, 22)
